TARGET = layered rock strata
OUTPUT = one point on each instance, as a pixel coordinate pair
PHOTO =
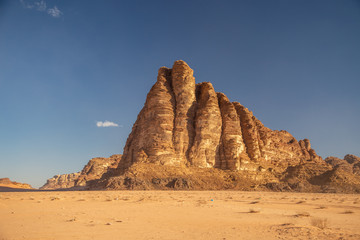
(61, 181)
(188, 124)
(96, 168)
(93, 170)
(151, 139)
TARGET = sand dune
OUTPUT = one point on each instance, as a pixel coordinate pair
(178, 215)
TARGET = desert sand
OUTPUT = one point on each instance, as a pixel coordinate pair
(178, 215)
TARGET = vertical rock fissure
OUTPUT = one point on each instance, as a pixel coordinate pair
(191, 128)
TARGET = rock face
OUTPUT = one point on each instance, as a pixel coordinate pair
(96, 168)
(184, 124)
(350, 163)
(183, 87)
(6, 182)
(93, 170)
(232, 147)
(207, 128)
(61, 181)
(155, 125)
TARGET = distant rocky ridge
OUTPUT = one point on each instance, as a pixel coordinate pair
(7, 183)
(61, 181)
(350, 163)
(93, 170)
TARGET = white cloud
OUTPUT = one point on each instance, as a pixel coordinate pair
(107, 124)
(40, 5)
(54, 12)
(26, 4)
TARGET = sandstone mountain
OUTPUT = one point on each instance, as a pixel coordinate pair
(188, 124)
(7, 183)
(93, 170)
(188, 136)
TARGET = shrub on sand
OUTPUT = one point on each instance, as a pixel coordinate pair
(302, 214)
(252, 210)
(321, 223)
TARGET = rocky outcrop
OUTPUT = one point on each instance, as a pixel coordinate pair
(7, 183)
(96, 168)
(93, 170)
(350, 163)
(61, 181)
(332, 175)
(275, 148)
(145, 176)
(183, 124)
(352, 159)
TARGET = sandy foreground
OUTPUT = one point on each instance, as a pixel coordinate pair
(178, 215)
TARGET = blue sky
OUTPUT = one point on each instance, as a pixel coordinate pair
(66, 65)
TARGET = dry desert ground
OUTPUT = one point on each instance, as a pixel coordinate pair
(178, 215)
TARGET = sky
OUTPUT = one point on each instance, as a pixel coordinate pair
(74, 74)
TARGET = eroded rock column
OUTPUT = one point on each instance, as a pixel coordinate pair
(308, 152)
(204, 151)
(249, 130)
(183, 84)
(232, 147)
(152, 133)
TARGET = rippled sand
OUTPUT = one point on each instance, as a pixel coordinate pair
(178, 215)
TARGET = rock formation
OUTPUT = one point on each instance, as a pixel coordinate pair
(96, 168)
(187, 136)
(7, 183)
(61, 181)
(350, 163)
(188, 124)
(93, 170)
